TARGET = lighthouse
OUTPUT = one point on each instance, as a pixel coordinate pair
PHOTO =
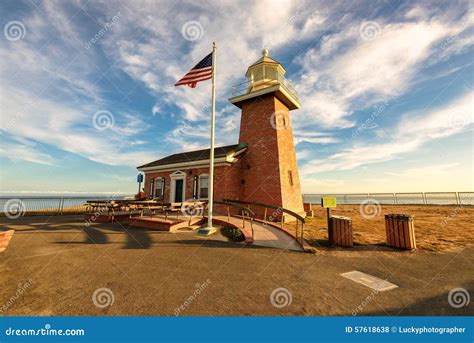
(260, 168)
(269, 167)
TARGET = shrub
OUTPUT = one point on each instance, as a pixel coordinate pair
(233, 234)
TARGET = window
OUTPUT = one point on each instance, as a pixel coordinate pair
(159, 188)
(152, 187)
(203, 186)
(195, 187)
(290, 177)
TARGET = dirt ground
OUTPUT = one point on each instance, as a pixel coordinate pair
(437, 228)
(59, 266)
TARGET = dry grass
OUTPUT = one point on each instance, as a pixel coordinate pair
(437, 228)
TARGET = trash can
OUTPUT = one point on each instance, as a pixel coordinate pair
(308, 208)
(400, 231)
(340, 231)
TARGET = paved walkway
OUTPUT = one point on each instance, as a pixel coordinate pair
(267, 236)
(152, 273)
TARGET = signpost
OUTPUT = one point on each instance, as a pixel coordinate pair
(328, 203)
(139, 180)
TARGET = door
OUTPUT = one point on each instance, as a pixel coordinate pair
(178, 193)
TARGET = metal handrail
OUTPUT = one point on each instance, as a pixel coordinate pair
(280, 209)
(244, 210)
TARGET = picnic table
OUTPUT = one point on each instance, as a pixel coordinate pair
(138, 207)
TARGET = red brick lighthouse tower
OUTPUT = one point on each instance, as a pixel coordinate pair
(269, 166)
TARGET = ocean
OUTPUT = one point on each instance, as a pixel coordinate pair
(57, 203)
(427, 198)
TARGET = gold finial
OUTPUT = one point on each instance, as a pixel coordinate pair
(265, 52)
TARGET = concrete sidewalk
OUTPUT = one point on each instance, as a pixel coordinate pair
(58, 263)
(266, 235)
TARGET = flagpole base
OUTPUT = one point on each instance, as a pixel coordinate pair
(206, 231)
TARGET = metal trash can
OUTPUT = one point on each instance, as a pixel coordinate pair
(400, 231)
(308, 209)
(340, 231)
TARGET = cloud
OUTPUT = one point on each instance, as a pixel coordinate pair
(57, 125)
(409, 135)
(26, 153)
(57, 85)
(301, 136)
(348, 73)
(436, 169)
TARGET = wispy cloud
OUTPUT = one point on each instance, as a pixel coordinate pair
(411, 132)
(52, 85)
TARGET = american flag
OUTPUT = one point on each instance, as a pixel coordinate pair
(201, 71)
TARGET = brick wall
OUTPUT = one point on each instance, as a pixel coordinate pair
(227, 181)
(260, 163)
(263, 172)
(265, 127)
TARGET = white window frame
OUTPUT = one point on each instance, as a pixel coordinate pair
(159, 180)
(202, 176)
(152, 188)
(177, 175)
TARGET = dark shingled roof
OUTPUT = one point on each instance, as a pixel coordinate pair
(197, 155)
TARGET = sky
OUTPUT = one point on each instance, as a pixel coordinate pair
(87, 89)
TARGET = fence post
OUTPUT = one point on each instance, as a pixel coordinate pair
(458, 200)
(424, 198)
(396, 198)
(60, 206)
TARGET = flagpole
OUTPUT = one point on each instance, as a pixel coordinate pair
(211, 166)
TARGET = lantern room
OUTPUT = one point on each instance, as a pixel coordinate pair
(265, 76)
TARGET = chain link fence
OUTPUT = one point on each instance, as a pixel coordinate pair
(20, 206)
(415, 198)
